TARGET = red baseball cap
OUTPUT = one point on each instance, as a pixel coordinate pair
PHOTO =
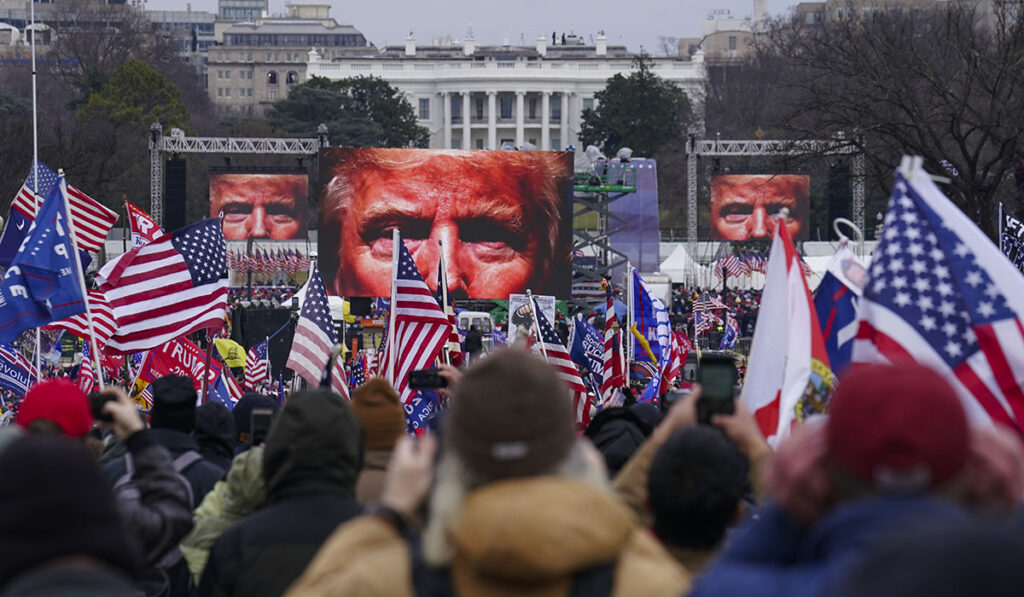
(60, 401)
(899, 428)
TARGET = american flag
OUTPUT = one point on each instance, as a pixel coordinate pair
(421, 327)
(939, 293)
(93, 220)
(680, 348)
(170, 287)
(339, 379)
(707, 302)
(102, 320)
(257, 366)
(613, 377)
(315, 335)
(358, 376)
(550, 347)
(732, 265)
(453, 345)
(86, 375)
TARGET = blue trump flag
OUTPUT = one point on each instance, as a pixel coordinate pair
(586, 347)
(836, 301)
(652, 322)
(43, 284)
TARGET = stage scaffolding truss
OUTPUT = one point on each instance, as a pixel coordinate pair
(177, 143)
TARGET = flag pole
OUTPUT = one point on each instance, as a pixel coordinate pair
(396, 238)
(442, 281)
(536, 324)
(630, 346)
(81, 278)
(1000, 229)
(35, 166)
(270, 378)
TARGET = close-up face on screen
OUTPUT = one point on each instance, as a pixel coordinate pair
(270, 206)
(743, 206)
(501, 219)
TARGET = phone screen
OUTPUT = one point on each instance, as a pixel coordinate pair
(261, 420)
(717, 380)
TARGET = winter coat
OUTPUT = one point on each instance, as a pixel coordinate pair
(774, 556)
(66, 580)
(312, 457)
(229, 502)
(371, 478)
(521, 537)
(159, 515)
(201, 476)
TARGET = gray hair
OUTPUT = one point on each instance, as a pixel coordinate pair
(454, 482)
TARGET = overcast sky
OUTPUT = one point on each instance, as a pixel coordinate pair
(633, 23)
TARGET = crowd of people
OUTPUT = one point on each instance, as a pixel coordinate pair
(893, 493)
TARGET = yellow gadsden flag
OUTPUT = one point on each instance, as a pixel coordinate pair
(231, 351)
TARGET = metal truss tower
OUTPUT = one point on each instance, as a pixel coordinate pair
(177, 142)
(718, 148)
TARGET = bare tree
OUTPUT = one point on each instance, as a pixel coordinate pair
(943, 83)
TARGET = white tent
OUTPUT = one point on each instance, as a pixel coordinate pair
(679, 264)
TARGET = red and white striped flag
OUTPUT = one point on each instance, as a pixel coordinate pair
(613, 374)
(102, 320)
(680, 348)
(315, 335)
(339, 381)
(940, 293)
(257, 366)
(93, 220)
(171, 287)
(420, 326)
(86, 375)
(550, 347)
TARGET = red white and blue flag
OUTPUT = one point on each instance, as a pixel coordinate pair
(549, 346)
(168, 288)
(315, 338)
(421, 328)
(144, 228)
(940, 293)
(613, 376)
(257, 366)
(86, 375)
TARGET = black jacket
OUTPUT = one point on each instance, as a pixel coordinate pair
(312, 457)
(201, 476)
(68, 580)
(160, 515)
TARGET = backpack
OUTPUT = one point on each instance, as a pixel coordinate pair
(157, 581)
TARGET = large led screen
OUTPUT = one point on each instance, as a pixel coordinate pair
(743, 205)
(269, 206)
(503, 219)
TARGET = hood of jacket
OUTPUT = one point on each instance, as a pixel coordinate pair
(314, 446)
(537, 531)
(246, 489)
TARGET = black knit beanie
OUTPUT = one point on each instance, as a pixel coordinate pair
(56, 504)
(174, 404)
